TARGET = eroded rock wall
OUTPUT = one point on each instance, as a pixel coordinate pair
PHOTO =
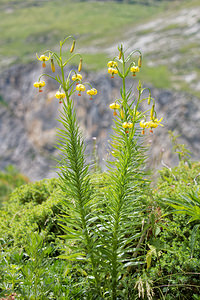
(28, 121)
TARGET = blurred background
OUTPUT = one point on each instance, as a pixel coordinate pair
(167, 33)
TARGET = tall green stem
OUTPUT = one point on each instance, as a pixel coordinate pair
(75, 143)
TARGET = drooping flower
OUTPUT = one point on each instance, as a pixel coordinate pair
(92, 92)
(112, 71)
(80, 88)
(126, 125)
(114, 106)
(134, 69)
(43, 58)
(77, 77)
(39, 84)
(144, 125)
(112, 64)
(154, 124)
(60, 96)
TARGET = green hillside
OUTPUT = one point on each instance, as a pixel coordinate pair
(27, 27)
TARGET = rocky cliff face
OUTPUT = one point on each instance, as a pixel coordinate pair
(28, 121)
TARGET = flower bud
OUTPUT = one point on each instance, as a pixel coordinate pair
(73, 46)
(140, 61)
(80, 65)
(149, 99)
(122, 113)
(152, 112)
(52, 65)
(120, 52)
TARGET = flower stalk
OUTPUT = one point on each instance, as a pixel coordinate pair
(101, 227)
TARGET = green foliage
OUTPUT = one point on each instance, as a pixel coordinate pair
(34, 193)
(121, 241)
(188, 204)
(33, 272)
(10, 178)
(178, 180)
(180, 149)
(175, 273)
(32, 207)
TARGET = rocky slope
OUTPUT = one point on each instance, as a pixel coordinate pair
(28, 121)
(171, 40)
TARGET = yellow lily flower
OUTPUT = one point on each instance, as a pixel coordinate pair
(60, 96)
(92, 92)
(112, 71)
(144, 125)
(114, 106)
(39, 85)
(127, 125)
(80, 88)
(154, 124)
(77, 77)
(134, 70)
(43, 58)
(112, 64)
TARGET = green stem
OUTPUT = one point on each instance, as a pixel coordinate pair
(124, 103)
(74, 146)
(66, 62)
(63, 79)
(123, 173)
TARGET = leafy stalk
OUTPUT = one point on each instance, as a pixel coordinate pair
(76, 185)
(123, 195)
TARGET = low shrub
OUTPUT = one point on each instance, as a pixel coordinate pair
(10, 178)
(32, 207)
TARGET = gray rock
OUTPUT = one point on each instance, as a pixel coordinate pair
(28, 121)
